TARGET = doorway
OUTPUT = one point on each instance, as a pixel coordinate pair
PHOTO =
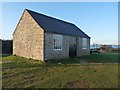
(72, 47)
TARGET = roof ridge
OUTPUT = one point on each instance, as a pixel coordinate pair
(50, 17)
(80, 29)
(51, 24)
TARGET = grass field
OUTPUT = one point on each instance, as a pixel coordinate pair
(22, 73)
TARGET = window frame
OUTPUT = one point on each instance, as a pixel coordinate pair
(84, 43)
(59, 43)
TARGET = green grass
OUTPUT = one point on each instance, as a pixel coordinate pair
(64, 61)
(23, 73)
(101, 58)
(93, 58)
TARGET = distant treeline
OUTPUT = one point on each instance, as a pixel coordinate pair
(6, 46)
(107, 48)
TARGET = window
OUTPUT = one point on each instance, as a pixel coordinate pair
(57, 42)
(84, 43)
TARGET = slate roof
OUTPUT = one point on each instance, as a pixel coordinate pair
(50, 24)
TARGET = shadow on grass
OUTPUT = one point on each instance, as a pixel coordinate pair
(17, 61)
(92, 58)
(63, 61)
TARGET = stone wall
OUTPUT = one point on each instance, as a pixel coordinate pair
(30, 41)
(80, 50)
(66, 41)
(72, 40)
(56, 54)
(28, 38)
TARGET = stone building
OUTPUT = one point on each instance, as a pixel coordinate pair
(42, 37)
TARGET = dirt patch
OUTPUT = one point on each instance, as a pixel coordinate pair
(79, 84)
(82, 61)
(6, 61)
